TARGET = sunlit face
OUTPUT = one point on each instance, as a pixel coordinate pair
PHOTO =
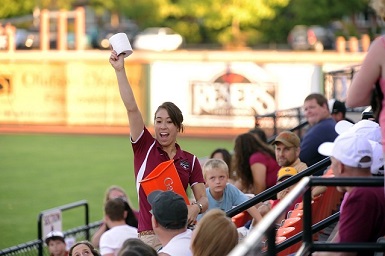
(314, 112)
(216, 180)
(82, 250)
(285, 155)
(116, 194)
(57, 247)
(165, 130)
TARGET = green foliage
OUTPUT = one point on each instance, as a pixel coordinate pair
(322, 12)
(234, 22)
(307, 12)
(188, 29)
(40, 172)
(229, 18)
(12, 8)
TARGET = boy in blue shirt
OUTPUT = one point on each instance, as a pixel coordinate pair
(220, 193)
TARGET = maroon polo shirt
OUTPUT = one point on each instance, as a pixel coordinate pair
(148, 154)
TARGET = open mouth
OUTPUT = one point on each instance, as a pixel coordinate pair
(163, 134)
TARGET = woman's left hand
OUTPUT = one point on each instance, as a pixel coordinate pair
(193, 211)
(199, 192)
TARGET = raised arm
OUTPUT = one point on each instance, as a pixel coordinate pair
(135, 118)
(359, 93)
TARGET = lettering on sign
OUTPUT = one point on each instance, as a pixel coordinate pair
(52, 218)
(232, 99)
(51, 221)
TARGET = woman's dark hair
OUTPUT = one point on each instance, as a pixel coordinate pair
(376, 101)
(134, 246)
(174, 112)
(225, 153)
(259, 132)
(88, 244)
(245, 145)
(131, 219)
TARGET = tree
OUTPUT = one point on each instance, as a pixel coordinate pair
(12, 8)
(229, 20)
(321, 12)
(308, 12)
(145, 12)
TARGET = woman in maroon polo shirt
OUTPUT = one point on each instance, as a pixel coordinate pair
(149, 152)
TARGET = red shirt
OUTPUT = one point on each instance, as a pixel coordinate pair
(187, 166)
(271, 167)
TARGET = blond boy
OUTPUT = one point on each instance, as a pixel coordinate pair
(220, 193)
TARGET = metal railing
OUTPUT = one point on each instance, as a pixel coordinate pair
(62, 208)
(36, 247)
(297, 129)
(282, 120)
(271, 192)
(252, 245)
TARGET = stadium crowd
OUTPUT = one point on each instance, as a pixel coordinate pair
(167, 224)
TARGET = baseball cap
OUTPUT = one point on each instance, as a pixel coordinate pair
(336, 106)
(289, 139)
(168, 208)
(377, 166)
(366, 128)
(54, 235)
(286, 172)
(349, 148)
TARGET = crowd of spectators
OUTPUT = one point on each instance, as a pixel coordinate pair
(166, 225)
(356, 152)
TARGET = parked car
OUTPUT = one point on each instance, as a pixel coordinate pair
(315, 37)
(158, 39)
(20, 38)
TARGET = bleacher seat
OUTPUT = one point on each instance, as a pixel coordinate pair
(241, 218)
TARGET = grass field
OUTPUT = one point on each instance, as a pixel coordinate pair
(40, 172)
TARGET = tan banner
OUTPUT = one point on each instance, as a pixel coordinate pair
(66, 93)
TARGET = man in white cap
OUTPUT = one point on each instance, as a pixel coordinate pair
(371, 131)
(363, 208)
(56, 244)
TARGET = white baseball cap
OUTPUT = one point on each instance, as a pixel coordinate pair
(378, 158)
(367, 128)
(350, 149)
(54, 235)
